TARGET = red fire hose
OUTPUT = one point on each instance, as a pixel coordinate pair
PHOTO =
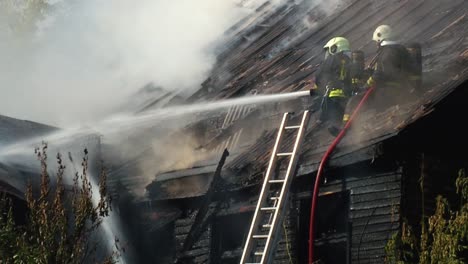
(320, 172)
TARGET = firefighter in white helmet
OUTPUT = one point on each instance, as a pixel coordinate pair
(333, 78)
(391, 67)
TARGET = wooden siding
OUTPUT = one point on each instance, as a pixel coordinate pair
(286, 249)
(374, 206)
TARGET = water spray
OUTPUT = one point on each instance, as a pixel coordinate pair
(117, 124)
(19, 153)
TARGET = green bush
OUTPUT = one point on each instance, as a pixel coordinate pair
(444, 235)
(60, 223)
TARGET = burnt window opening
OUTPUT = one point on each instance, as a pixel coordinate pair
(229, 234)
(333, 237)
(162, 244)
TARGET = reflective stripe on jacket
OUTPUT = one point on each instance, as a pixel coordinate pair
(337, 93)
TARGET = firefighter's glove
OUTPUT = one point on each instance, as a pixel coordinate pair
(370, 82)
(313, 90)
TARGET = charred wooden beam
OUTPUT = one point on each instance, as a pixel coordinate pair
(205, 211)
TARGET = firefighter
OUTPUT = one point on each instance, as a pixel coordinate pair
(358, 79)
(396, 71)
(391, 69)
(333, 78)
(415, 76)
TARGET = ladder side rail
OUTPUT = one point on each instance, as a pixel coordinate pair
(248, 244)
(291, 166)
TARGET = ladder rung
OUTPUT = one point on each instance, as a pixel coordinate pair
(284, 154)
(274, 198)
(292, 127)
(268, 208)
(260, 236)
(276, 181)
(266, 226)
(258, 253)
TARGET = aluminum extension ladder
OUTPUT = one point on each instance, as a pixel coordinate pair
(269, 213)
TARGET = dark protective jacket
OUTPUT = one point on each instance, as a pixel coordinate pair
(392, 66)
(335, 72)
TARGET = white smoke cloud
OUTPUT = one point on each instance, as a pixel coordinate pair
(328, 6)
(88, 56)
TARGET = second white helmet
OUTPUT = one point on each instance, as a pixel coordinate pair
(383, 32)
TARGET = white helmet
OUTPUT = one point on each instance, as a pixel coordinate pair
(383, 32)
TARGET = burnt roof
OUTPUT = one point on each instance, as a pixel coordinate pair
(12, 129)
(284, 55)
(11, 181)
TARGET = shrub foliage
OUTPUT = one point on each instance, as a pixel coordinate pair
(60, 221)
(443, 237)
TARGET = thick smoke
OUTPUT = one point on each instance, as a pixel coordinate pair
(84, 58)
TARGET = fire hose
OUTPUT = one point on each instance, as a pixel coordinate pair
(320, 171)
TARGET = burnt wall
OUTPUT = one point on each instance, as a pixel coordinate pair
(230, 233)
(200, 252)
(287, 249)
(357, 212)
